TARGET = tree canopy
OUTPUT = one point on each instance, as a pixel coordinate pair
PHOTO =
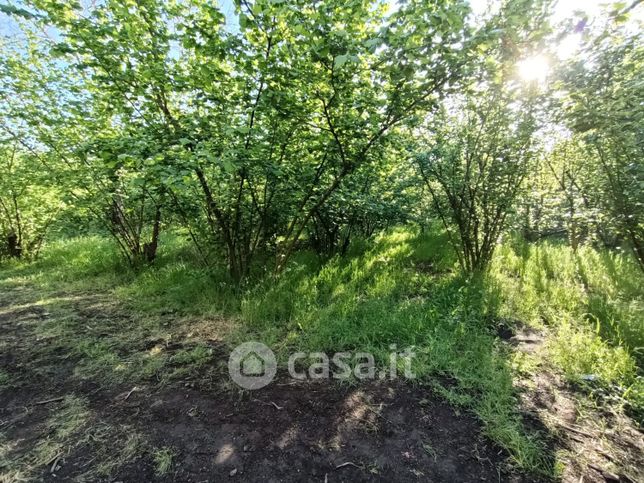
(315, 122)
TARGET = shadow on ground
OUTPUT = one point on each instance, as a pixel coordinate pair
(57, 423)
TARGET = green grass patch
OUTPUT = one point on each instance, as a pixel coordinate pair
(590, 301)
(162, 460)
(600, 290)
(5, 379)
(403, 291)
(400, 289)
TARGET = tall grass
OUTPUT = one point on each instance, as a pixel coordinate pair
(404, 290)
(70, 262)
(401, 289)
(592, 301)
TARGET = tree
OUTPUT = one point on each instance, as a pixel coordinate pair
(260, 129)
(28, 207)
(474, 170)
(604, 103)
(477, 153)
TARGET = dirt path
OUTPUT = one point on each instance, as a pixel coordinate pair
(59, 422)
(595, 443)
(56, 425)
(301, 433)
(304, 432)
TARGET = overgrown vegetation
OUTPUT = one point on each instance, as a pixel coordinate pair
(402, 288)
(327, 176)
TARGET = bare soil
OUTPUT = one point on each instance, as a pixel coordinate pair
(304, 431)
(56, 425)
(595, 442)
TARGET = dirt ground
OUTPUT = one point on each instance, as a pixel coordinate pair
(308, 434)
(58, 426)
(594, 442)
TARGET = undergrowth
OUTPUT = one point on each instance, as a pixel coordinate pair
(401, 289)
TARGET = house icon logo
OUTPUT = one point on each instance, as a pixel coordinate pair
(252, 365)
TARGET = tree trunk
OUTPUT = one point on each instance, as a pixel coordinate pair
(150, 249)
(14, 248)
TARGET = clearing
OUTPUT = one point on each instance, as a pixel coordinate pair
(103, 383)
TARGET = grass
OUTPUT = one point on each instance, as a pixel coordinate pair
(404, 292)
(162, 460)
(600, 290)
(64, 423)
(5, 379)
(592, 305)
(400, 289)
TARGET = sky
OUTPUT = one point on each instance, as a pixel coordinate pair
(563, 9)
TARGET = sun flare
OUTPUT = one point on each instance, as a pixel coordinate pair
(534, 68)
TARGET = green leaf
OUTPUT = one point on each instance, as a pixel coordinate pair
(228, 165)
(340, 60)
(19, 12)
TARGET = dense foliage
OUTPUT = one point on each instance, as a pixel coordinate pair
(316, 122)
(337, 174)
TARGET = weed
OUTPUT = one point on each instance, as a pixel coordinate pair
(197, 356)
(5, 379)
(162, 460)
(430, 450)
(400, 288)
(582, 354)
